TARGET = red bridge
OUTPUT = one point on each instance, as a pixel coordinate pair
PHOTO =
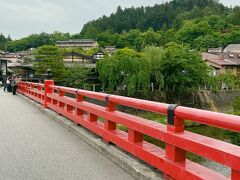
(171, 160)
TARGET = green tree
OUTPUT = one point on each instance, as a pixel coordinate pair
(182, 68)
(229, 79)
(107, 38)
(91, 32)
(191, 30)
(3, 41)
(126, 69)
(234, 17)
(208, 41)
(36, 40)
(235, 36)
(131, 39)
(76, 76)
(154, 55)
(49, 56)
(59, 36)
(216, 22)
(151, 38)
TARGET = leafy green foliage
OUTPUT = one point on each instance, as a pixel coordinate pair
(126, 69)
(3, 41)
(229, 79)
(190, 31)
(36, 40)
(92, 51)
(132, 40)
(234, 17)
(175, 67)
(76, 76)
(154, 55)
(234, 137)
(49, 56)
(214, 82)
(182, 68)
(236, 106)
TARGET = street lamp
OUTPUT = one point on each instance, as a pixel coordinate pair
(49, 74)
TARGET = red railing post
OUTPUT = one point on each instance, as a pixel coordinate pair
(23, 88)
(235, 175)
(60, 94)
(47, 90)
(134, 136)
(92, 117)
(32, 88)
(79, 112)
(109, 125)
(19, 89)
(175, 125)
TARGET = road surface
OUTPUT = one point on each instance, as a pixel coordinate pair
(34, 147)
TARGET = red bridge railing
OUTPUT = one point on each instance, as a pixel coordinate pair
(171, 160)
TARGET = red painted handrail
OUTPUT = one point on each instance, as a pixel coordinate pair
(171, 161)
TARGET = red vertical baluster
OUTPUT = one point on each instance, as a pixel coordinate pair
(47, 90)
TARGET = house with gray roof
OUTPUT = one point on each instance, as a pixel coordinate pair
(232, 48)
(223, 62)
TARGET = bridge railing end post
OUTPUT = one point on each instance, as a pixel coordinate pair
(47, 90)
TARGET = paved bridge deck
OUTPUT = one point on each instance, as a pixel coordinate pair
(33, 147)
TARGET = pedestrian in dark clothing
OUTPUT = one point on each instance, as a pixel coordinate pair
(9, 89)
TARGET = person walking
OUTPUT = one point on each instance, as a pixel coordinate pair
(7, 84)
(14, 84)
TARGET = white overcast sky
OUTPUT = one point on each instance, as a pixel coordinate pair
(19, 18)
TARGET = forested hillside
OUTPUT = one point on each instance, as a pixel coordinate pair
(199, 24)
(164, 16)
(36, 40)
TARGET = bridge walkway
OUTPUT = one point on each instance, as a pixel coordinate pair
(34, 147)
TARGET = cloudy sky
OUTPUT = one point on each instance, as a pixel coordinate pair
(20, 18)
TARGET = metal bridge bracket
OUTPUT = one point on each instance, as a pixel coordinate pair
(170, 114)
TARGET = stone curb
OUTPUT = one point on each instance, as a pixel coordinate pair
(135, 167)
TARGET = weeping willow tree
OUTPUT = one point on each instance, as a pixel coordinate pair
(125, 70)
(154, 56)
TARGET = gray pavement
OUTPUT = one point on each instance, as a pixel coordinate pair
(34, 147)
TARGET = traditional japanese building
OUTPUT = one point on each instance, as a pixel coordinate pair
(85, 44)
(223, 62)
